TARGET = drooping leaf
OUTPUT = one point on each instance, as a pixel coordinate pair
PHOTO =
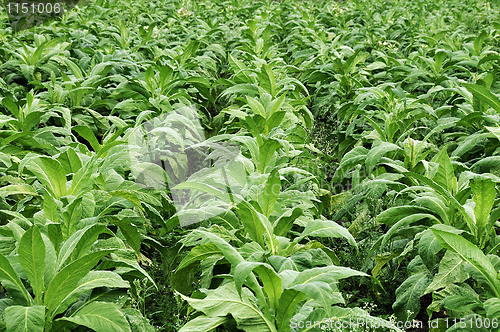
(327, 228)
(17, 189)
(100, 317)
(199, 253)
(392, 215)
(484, 95)
(492, 307)
(473, 255)
(495, 131)
(405, 222)
(203, 324)
(326, 274)
(321, 292)
(12, 283)
(376, 153)
(225, 300)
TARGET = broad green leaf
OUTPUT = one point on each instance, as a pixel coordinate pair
(492, 307)
(255, 224)
(11, 105)
(440, 296)
(286, 308)
(203, 324)
(284, 223)
(451, 271)
(484, 197)
(445, 174)
(78, 243)
(478, 42)
(89, 136)
(225, 300)
(495, 131)
(256, 106)
(350, 159)
(11, 282)
(405, 222)
(275, 120)
(224, 196)
(230, 254)
(321, 292)
(50, 173)
(270, 279)
(297, 262)
(93, 279)
(470, 142)
(17, 189)
(271, 192)
(32, 258)
(199, 253)
(408, 294)
(355, 59)
(444, 193)
(436, 204)
(428, 247)
(68, 278)
(125, 258)
(266, 153)
(275, 106)
(381, 260)
(376, 153)
(327, 228)
(129, 196)
(328, 274)
(394, 214)
(131, 233)
(100, 317)
(248, 89)
(50, 260)
(50, 208)
(484, 95)
(461, 304)
(472, 255)
(25, 319)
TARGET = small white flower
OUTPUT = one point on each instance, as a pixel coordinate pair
(156, 32)
(184, 12)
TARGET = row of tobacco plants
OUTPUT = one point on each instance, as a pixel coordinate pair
(364, 186)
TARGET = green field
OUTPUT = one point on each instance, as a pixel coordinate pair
(251, 165)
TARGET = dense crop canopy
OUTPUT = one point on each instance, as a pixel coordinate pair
(242, 165)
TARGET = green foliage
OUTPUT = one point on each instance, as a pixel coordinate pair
(366, 186)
